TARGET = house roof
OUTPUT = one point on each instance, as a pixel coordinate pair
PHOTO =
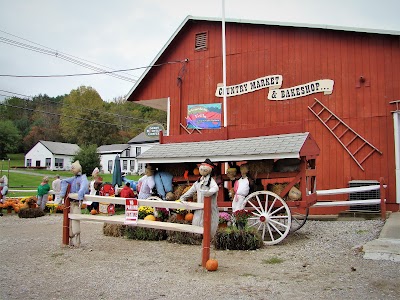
(143, 139)
(61, 148)
(292, 145)
(162, 103)
(114, 148)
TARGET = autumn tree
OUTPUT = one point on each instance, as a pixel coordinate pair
(10, 138)
(88, 158)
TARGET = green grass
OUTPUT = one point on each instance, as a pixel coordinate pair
(31, 181)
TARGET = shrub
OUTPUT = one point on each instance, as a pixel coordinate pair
(231, 238)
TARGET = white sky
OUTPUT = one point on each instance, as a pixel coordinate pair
(123, 34)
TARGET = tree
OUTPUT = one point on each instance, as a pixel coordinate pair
(10, 138)
(88, 158)
(82, 112)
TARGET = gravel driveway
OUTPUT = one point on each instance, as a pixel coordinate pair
(323, 260)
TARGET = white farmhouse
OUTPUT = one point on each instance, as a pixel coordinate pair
(51, 155)
(127, 153)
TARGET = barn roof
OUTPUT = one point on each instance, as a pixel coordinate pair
(141, 138)
(162, 103)
(280, 146)
(114, 148)
(61, 148)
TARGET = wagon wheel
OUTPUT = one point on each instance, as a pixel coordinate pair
(299, 218)
(153, 198)
(273, 219)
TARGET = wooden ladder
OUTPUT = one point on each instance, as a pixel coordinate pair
(325, 115)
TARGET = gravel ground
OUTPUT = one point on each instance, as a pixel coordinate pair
(323, 260)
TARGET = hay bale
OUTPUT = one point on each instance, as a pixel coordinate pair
(115, 230)
(260, 166)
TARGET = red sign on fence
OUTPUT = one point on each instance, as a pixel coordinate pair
(131, 211)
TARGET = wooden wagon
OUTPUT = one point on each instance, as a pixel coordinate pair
(275, 214)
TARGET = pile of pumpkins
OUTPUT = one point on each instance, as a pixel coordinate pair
(19, 203)
(188, 217)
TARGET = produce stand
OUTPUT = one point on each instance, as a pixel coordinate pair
(275, 215)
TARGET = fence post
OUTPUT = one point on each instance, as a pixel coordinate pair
(383, 197)
(65, 237)
(206, 231)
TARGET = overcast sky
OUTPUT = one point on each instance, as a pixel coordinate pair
(125, 34)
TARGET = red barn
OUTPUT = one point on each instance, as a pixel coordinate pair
(339, 84)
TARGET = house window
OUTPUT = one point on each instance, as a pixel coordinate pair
(201, 41)
(124, 164)
(138, 151)
(132, 165)
(59, 163)
(29, 162)
(48, 162)
(128, 152)
(110, 165)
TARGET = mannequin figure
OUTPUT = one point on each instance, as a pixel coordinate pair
(241, 189)
(205, 186)
(146, 183)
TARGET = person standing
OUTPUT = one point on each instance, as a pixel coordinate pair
(43, 192)
(56, 186)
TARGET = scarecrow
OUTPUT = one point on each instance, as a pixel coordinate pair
(205, 186)
(3, 188)
(146, 183)
(79, 184)
(241, 189)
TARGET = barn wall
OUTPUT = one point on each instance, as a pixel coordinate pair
(300, 55)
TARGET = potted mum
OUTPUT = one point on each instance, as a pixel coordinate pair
(241, 217)
(223, 219)
(161, 213)
(145, 211)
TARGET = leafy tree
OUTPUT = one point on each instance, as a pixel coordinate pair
(88, 158)
(10, 138)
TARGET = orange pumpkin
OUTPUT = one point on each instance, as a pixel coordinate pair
(93, 212)
(212, 265)
(196, 171)
(189, 217)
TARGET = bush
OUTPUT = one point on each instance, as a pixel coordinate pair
(231, 238)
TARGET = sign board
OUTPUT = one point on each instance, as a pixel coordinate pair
(153, 130)
(204, 116)
(131, 211)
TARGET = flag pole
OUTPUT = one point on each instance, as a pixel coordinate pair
(224, 65)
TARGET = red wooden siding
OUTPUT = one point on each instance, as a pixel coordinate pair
(300, 55)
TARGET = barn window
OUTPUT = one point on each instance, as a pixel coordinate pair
(201, 41)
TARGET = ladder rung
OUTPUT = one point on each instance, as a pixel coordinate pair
(330, 116)
(320, 111)
(369, 154)
(313, 104)
(343, 133)
(352, 140)
(334, 127)
(359, 148)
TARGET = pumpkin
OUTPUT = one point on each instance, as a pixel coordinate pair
(93, 212)
(189, 217)
(196, 171)
(150, 218)
(212, 265)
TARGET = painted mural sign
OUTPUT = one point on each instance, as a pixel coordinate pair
(320, 86)
(204, 116)
(270, 81)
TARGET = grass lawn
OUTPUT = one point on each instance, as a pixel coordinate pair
(21, 181)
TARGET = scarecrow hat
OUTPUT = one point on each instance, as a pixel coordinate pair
(208, 162)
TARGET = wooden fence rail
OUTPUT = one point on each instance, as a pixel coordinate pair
(120, 219)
